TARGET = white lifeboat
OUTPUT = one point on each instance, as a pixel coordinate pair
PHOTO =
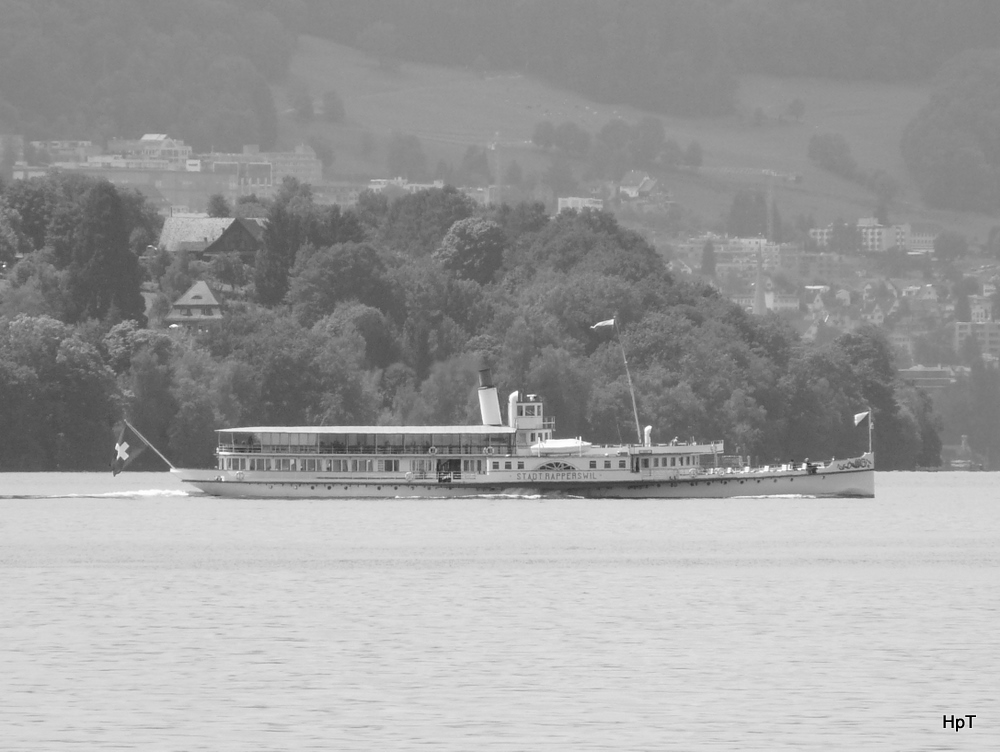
(560, 446)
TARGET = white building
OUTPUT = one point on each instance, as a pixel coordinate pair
(579, 203)
(153, 147)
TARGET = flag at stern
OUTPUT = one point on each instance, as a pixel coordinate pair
(129, 446)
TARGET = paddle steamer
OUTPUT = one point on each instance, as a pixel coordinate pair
(518, 457)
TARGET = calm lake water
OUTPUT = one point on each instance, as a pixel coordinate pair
(135, 617)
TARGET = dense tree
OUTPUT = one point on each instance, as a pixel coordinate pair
(56, 397)
(950, 146)
(416, 223)
(13, 242)
(388, 330)
(571, 138)
(950, 245)
(34, 201)
(473, 249)
(348, 271)
(274, 259)
(104, 273)
(559, 176)
(350, 317)
(474, 168)
(110, 68)
(832, 152)
(218, 206)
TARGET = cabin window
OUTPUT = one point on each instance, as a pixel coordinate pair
(621, 463)
(520, 465)
(593, 464)
(607, 464)
(506, 465)
(529, 409)
(496, 465)
(673, 461)
(645, 462)
(520, 411)
(388, 466)
(362, 466)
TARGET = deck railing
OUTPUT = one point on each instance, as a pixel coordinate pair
(368, 449)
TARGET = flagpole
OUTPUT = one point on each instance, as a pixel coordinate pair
(871, 420)
(628, 375)
(149, 444)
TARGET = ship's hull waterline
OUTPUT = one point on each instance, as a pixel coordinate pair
(847, 478)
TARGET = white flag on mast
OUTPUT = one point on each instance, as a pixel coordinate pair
(860, 417)
(606, 322)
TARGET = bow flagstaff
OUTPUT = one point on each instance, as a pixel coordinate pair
(129, 446)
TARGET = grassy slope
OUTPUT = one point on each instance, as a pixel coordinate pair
(451, 109)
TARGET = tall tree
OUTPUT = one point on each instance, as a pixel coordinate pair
(473, 249)
(104, 274)
(218, 206)
(950, 245)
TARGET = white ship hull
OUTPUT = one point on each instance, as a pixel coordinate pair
(840, 478)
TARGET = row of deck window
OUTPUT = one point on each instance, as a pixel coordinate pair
(363, 465)
(674, 461)
(309, 465)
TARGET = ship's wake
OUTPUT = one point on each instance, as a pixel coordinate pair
(152, 493)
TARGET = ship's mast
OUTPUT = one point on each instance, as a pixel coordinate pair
(628, 375)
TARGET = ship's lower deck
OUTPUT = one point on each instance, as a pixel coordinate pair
(845, 478)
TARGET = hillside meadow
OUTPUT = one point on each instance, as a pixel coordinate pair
(450, 109)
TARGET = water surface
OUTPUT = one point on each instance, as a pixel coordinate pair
(135, 616)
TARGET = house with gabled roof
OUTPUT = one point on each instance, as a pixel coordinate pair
(209, 236)
(636, 183)
(872, 313)
(195, 308)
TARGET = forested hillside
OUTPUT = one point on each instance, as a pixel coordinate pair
(679, 57)
(952, 145)
(205, 70)
(93, 69)
(383, 313)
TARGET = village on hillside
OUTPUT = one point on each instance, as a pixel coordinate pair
(892, 276)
